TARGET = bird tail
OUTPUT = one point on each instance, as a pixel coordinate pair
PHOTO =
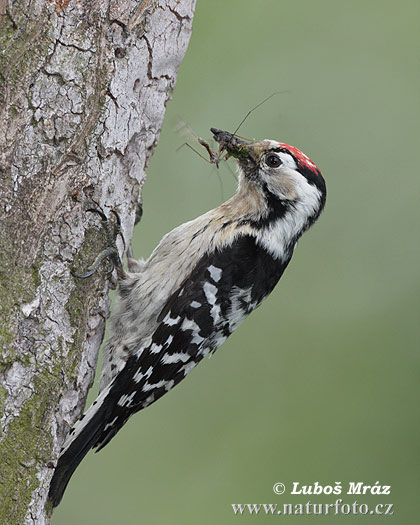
(82, 437)
(95, 428)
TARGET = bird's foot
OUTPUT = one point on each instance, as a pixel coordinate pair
(112, 230)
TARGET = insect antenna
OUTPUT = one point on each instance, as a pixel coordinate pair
(256, 107)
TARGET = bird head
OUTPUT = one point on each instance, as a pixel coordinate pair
(278, 171)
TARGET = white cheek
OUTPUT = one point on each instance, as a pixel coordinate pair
(282, 183)
(308, 194)
(289, 184)
(281, 234)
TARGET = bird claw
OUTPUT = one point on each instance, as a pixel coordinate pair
(85, 275)
(109, 253)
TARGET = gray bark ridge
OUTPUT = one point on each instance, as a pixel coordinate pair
(83, 88)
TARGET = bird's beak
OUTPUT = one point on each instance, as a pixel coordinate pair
(235, 146)
(240, 149)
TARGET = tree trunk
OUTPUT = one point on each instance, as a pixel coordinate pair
(84, 85)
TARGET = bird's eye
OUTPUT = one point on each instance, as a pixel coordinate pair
(272, 160)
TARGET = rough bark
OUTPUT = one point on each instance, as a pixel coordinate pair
(84, 85)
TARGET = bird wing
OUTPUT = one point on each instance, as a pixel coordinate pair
(198, 317)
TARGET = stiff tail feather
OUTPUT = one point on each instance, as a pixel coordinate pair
(83, 437)
(95, 429)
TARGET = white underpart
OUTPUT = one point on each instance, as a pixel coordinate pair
(138, 313)
(135, 317)
(210, 292)
(215, 273)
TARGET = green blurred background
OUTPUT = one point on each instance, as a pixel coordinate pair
(321, 383)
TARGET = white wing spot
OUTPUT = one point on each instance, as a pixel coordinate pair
(149, 400)
(169, 385)
(219, 340)
(197, 339)
(126, 399)
(204, 351)
(168, 359)
(170, 321)
(111, 424)
(155, 349)
(149, 386)
(215, 273)
(237, 313)
(139, 375)
(210, 292)
(189, 324)
(195, 304)
(139, 351)
(188, 367)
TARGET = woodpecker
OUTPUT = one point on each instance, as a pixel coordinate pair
(201, 281)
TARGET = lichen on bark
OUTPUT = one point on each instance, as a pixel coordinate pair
(83, 87)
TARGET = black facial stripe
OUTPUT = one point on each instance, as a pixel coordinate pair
(276, 207)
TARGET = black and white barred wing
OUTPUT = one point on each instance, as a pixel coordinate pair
(220, 292)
